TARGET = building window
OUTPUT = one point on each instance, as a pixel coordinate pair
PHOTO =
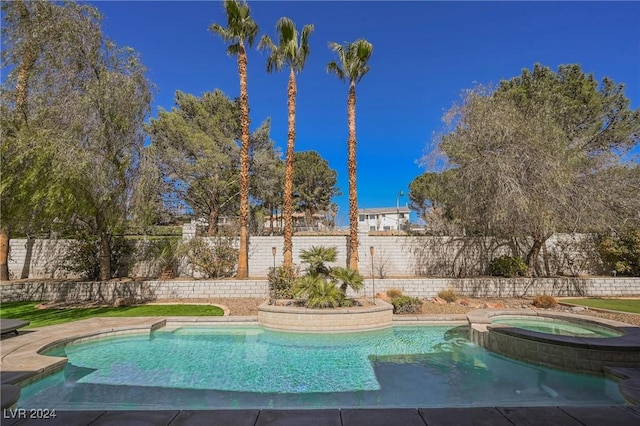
(401, 215)
(361, 217)
(387, 228)
(372, 228)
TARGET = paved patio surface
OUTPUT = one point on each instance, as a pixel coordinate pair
(525, 416)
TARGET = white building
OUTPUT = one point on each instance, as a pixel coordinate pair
(383, 219)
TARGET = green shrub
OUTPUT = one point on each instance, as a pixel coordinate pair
(394, 292)
(544, 301)
(83, 256)
(214, 260)
(318, 292)
(281, 281)
(448, 295)
(507, 266)
(406, 305)
(622, 253)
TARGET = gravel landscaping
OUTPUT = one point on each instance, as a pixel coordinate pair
(249, 306)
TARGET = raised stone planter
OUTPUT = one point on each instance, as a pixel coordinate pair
(299, 319)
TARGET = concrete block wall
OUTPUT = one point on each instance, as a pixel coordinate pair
(142, 291)
(509, 287)
(40, 258)
(394, 256)
(261, 258)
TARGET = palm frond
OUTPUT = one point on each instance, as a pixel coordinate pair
(240, 26)
(352, 58)
(349, 278)
(334, 68)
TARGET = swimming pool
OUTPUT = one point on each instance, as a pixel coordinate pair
(251, 367)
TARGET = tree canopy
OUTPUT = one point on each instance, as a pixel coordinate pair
(78, 102)
(314, 184)
(542, 153)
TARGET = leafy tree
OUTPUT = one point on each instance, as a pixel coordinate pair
(543, 154)
(351, 66)
(82, 100)
(241, 29)
(292, 51)
(426, 192)
(266, 172)
(36, 37)
(195, 147)
(314, 183)
(622, 251)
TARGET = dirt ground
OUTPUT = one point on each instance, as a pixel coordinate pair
(249, 306)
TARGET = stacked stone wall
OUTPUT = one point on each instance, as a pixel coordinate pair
(141, 291)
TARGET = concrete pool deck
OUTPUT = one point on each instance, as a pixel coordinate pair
(21, 363)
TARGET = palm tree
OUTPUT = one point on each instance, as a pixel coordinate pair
(291, 52)
(351, 66)
(241, 29)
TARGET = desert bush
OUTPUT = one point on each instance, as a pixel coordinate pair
(406, 305)
(622, 253)
(507, 266)
(83, 256)
(448, 295)
(394, 292)
(545, 301)
(214, 260)
(281, 282)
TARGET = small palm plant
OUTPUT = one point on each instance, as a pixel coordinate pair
(349, 279)
(319, 293)
(320, 285)
(166, 255)
(316, 257)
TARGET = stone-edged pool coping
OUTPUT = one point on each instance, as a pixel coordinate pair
(612, 353)
(21, 362)
(480, 320)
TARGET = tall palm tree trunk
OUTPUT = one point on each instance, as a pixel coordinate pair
(288, 175)
(351, 164)
(243, 252)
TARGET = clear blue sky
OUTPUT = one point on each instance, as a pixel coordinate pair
(425, 54)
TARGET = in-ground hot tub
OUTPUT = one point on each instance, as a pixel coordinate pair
(556, 326)
(574, 343)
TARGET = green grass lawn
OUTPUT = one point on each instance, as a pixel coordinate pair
(41, 317)
(625, 305)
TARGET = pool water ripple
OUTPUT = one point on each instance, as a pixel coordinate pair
(196, 368)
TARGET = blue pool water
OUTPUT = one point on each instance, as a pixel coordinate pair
(249, 367)
(558, 327)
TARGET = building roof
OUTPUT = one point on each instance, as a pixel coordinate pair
(385, 210)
